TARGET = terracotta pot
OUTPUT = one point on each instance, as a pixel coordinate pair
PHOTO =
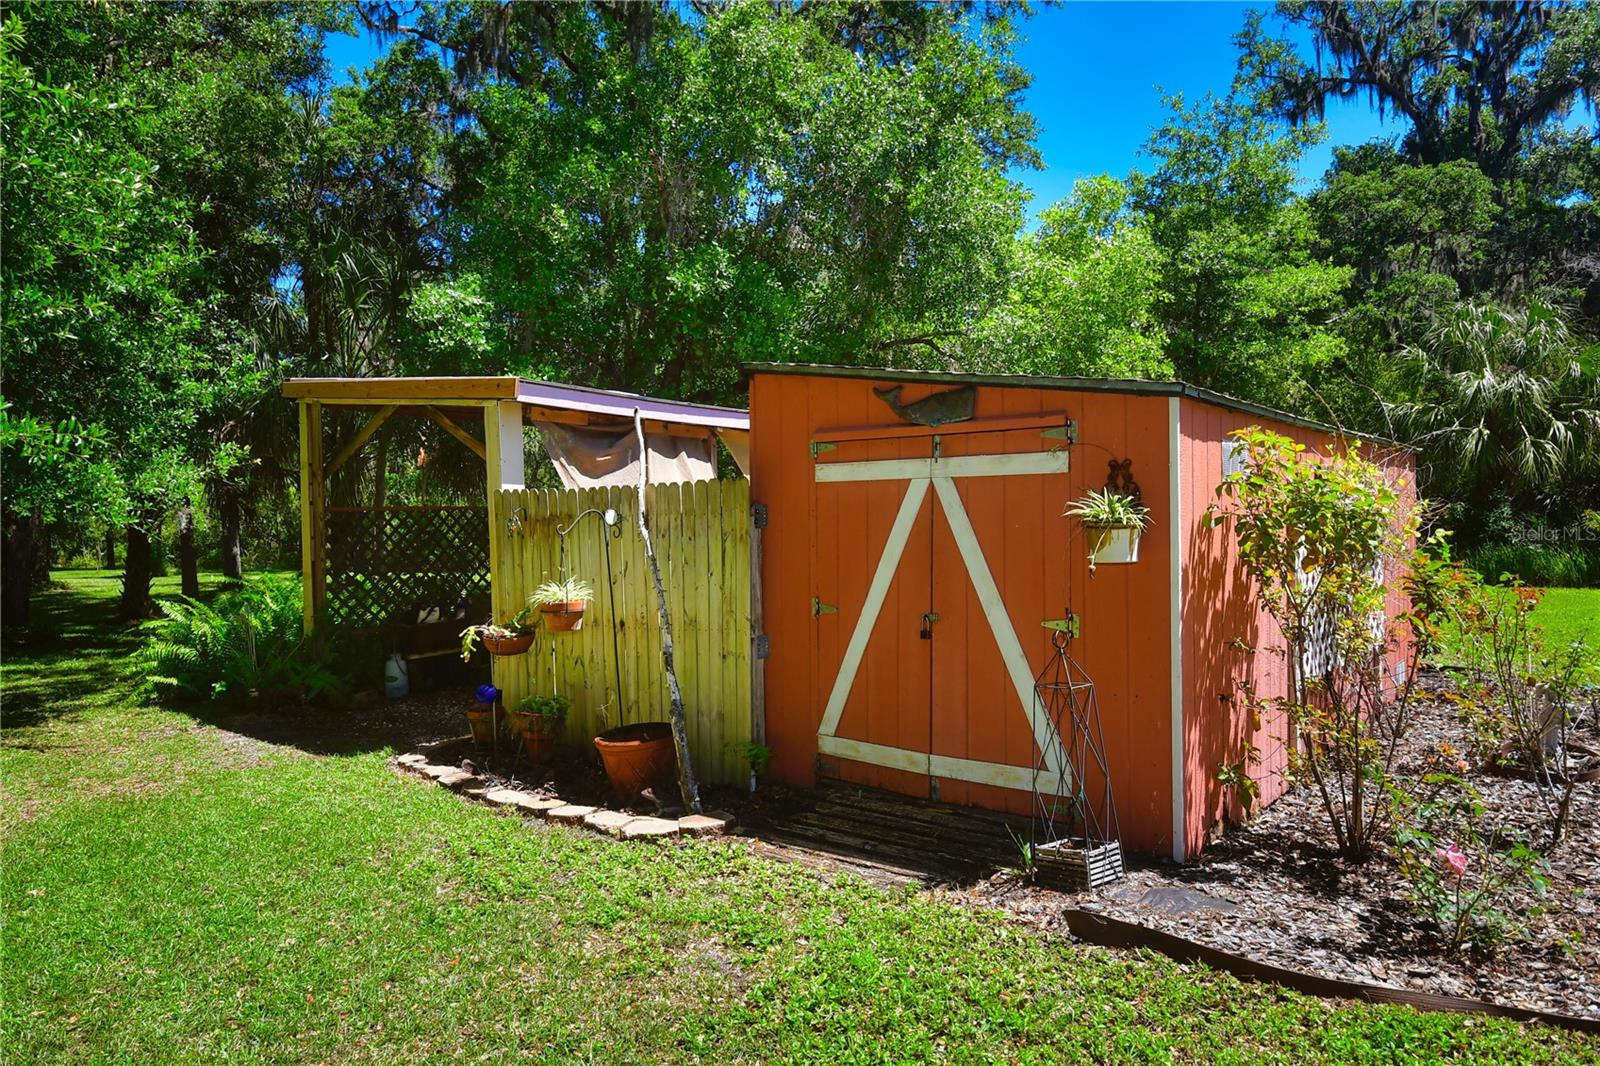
(539, 735)
(562, 617)
(1113, 544)
(481, 720)
(637, 757)
(508, 645)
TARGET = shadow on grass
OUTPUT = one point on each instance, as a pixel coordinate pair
(78, 652)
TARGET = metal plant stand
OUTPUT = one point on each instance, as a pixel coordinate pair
(1075, 837)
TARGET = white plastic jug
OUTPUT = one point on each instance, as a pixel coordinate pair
(395, 682)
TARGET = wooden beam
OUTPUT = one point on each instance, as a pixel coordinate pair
(355, 443)
(473, 443)
(974, 425)
(313, 523)
(435, 389)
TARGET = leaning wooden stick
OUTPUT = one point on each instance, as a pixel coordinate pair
(687, 785)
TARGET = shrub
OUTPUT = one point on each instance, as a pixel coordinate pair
(247, 645)
(1560, 565)
(1520, 697)
(1460, 870)
(1323, 537)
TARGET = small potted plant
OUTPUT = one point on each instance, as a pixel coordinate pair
(756, 756)
(1113, 523)
(539, 722)
(512, 637)
(480, 716)
(563, 602)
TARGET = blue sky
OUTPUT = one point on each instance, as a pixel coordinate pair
(1098, 74)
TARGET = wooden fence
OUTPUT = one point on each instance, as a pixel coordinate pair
(702, 537)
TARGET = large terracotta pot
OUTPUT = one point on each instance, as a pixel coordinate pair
(508, 645)
(562, 617)
(637, 757)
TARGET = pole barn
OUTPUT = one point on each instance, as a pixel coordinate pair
(915, 564)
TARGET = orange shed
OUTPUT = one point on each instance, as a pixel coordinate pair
(908, 570)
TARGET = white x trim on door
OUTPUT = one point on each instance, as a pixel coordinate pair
(940, 473)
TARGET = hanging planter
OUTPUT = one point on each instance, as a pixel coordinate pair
(507, 643)
(1112, 523)
(513, 637)
(1113, 544)
(562, 603)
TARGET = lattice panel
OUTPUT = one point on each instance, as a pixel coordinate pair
(386, 563)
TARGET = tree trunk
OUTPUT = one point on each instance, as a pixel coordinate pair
(688, 786)
(230, 512)
(16, 568)
(136, 570)
(110, 560)
(188, 557)
(43, 555)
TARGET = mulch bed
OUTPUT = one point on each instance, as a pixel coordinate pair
(1275, 891)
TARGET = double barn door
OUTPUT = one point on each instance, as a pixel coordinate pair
(939, 556)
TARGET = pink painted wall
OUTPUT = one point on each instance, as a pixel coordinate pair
(1218, 609)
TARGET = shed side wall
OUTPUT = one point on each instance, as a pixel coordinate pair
(1220, 613)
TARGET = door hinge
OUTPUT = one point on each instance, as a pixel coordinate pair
(1067, 432)
(1068, 625)
(763, 646)
(758, 515)
(818, 608)
(820, 446)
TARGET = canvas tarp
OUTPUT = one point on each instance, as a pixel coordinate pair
(586, 457)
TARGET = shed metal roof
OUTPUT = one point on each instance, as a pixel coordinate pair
(528, 391)
(1137, 386)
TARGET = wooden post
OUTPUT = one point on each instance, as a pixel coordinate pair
(687, 785)
(502, 456)
(313, 515)
(758, 665)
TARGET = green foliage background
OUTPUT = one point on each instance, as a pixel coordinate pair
(644, 196)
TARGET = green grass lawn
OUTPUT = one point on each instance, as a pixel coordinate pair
(1570, 614)
(174, 892)
(1565, 615)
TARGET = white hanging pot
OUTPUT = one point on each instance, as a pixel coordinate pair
(1113, 544)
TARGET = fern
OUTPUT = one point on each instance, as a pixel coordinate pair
(248, 645)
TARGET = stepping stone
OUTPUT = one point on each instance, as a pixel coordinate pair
(700, 825)
(572, 813)
(457, 780)
(649, 827)
(607, 821)
(436, 771)
(412, 759)
(540, 806)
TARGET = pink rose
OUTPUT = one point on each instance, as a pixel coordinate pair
(1454, 858)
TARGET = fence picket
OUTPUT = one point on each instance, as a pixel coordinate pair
(701, 536)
